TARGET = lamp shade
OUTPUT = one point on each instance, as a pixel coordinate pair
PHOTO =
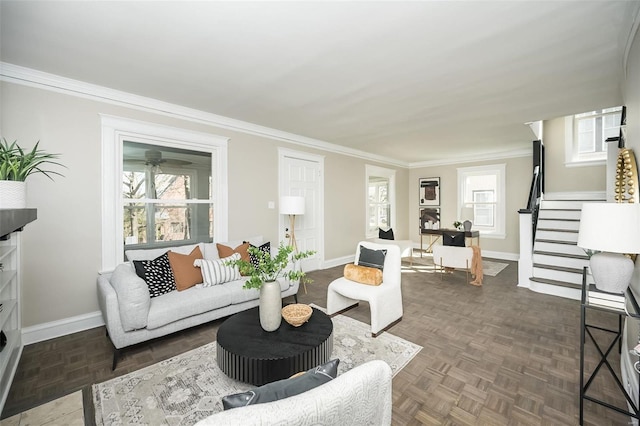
(610, 227)
(290, 204)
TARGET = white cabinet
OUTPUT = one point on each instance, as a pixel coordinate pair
(10, 322)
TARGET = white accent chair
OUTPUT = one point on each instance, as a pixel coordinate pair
(453, 257)
(385, 300)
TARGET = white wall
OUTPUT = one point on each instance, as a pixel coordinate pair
(519, 172)
(62, 249)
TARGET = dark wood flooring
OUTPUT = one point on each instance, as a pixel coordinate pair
(493, 355)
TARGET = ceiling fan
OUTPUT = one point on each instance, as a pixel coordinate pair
(154, 158)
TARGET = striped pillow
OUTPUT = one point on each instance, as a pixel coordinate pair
(217, 271)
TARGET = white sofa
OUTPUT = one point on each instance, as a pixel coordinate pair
(131, 316)
(361, 396)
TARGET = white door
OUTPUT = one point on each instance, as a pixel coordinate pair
(301, 174)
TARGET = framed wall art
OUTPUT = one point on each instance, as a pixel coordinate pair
(429, 191)
(430, 218)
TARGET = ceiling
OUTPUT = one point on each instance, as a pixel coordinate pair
(414, 82)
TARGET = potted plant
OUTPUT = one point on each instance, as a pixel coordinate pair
(457, 224)
(16, 164)
(263, 275)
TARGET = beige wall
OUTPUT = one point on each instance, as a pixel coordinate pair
(560, 178)
(518, 180)
(62, 249)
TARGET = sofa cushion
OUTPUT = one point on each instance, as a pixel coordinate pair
(266, 248)
(284, 388)
(371, 258)
(226, 251)
(133, 297)
(455, 239)
(184, 271)
(216, 272)
(157, 274)
(150, 254)
(385, 235)
(176, 305)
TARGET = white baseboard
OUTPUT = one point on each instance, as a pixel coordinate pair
(500, 255)
(337, 262)
(53, 329)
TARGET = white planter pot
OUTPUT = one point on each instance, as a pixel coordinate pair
(13, 194)
(270, 306)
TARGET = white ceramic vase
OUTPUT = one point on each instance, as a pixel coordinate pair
(13, 194)
(270, 306)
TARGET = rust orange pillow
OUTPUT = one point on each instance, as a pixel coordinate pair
(186, 275)
(363, 274)
(242, 250)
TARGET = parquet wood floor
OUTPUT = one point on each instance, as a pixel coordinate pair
(493, 355)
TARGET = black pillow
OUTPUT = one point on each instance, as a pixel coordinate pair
(284, 388)
(157, 274)
(385, 235)
(453, 239)
(372, 258)
(266, 247)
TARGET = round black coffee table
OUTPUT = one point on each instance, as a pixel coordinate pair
(247, 353)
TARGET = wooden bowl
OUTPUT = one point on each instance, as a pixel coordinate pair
(297, 314)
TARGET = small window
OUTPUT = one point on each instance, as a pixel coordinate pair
(166, 195)
(481, 200)
(586, 134)
(380, 199)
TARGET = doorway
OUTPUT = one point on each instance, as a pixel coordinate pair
(302, 174)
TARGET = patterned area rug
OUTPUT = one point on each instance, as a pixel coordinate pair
(189, 387)
(490, 268)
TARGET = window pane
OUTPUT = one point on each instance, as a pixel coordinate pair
(135, 224)
(483, 214)
(166, 175)
(133, 184)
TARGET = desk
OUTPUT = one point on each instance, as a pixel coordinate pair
(437, 233)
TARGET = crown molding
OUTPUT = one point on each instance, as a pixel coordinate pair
(29, 77)
(473, 159)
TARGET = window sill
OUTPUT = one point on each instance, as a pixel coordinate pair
(586, 163)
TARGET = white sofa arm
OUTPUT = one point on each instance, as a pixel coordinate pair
(132, 299)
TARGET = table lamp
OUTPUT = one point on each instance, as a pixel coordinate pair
(613, 230)
(292, 206)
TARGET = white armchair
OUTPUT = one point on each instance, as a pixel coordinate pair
(385, 300)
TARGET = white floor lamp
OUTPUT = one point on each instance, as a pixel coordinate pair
(292, 206)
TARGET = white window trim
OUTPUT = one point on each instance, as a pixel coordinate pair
(500, 171)
(114, 131)
(390, 174)
(571, 156)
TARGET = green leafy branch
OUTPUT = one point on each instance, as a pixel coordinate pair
(271, 268)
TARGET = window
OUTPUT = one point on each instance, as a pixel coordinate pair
(380, 199)
(166, 195)
(160, 186)
(481, 198)
(586, 134)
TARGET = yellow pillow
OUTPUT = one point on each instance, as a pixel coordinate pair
(186, 275)
(363, 274)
